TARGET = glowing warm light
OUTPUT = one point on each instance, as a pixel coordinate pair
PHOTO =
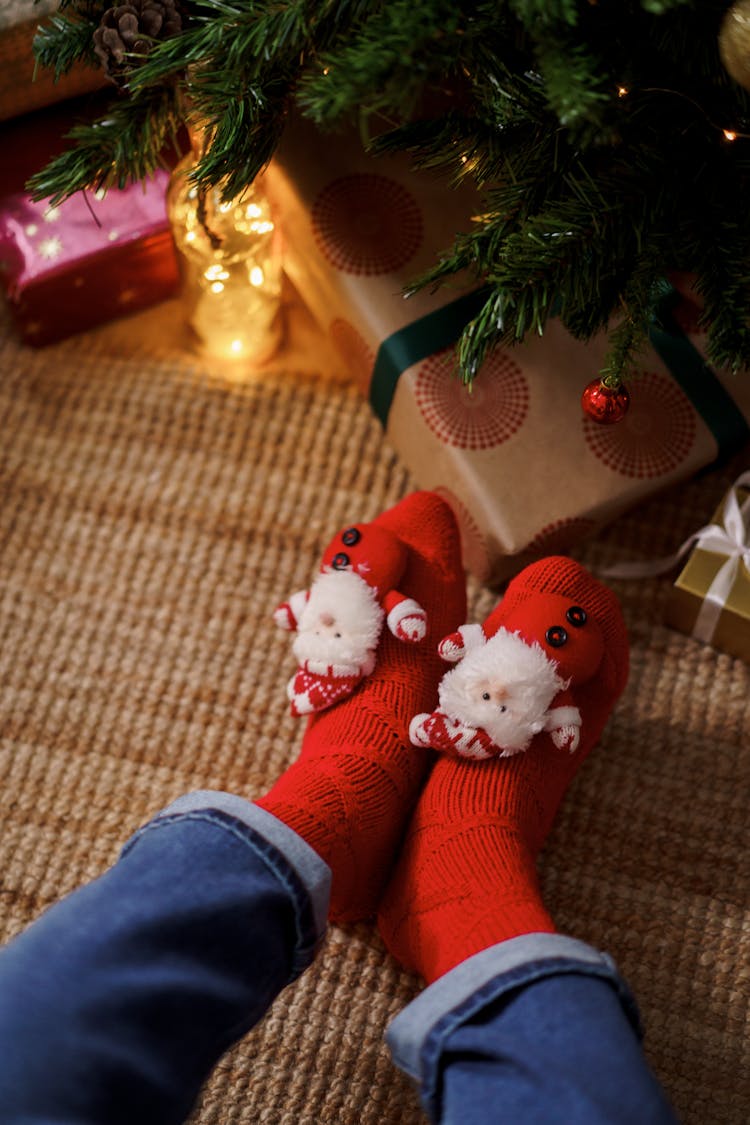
(231, 266)
(730, 136)
(622, 91)
(216, 273)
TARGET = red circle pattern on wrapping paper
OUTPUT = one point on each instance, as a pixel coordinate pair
(558, 537)
(354, 350)
(482, 417)
(654, 437)
(474, 551)
(367, 224)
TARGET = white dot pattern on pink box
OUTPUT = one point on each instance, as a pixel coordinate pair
(367, 224)
(655, 436)
(480, 417)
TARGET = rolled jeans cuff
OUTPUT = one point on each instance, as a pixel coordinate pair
(304, 875)
(418, 1034)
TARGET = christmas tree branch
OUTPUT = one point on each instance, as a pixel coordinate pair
(63, 42)
(386, 62)
(597, 136)
(126, 146)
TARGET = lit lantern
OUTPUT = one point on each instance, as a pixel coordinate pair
(231, 265)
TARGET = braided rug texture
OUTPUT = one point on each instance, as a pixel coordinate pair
(154, 508)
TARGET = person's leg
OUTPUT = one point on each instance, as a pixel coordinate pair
(519, 1023)
(539, 1029)
(354, 785)
(119, 1000)
(116, 1003)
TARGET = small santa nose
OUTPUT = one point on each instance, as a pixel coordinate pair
(327, 619)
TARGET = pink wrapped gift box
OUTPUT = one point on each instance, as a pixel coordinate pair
(93, 258)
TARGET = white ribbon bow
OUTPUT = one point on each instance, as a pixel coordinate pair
(730, 538)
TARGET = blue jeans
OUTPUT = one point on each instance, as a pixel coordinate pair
(117, 1002)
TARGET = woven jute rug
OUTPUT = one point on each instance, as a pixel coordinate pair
(154, 509)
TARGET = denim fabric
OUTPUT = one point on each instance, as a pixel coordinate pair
(539, 1029)
(116, 1003)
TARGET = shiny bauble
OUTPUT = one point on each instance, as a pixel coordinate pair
(604, 404)
(734, 42)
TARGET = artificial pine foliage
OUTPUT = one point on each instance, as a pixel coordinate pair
(596, 131)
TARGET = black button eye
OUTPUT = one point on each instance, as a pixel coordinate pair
(340, 561)
(556, 636)
(351, 536)
(576, 616)
(485, 695)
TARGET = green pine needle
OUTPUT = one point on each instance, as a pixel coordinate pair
(125, 147)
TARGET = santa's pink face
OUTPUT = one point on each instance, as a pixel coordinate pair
(340, 623)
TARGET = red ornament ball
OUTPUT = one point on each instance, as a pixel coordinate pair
(604, 404)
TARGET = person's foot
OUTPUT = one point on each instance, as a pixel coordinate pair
(466, 878)
(350, 792)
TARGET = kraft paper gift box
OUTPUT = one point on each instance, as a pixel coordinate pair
(710, 599)
(525, 471)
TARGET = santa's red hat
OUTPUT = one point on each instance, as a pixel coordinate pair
(575, 619)
(373, 552)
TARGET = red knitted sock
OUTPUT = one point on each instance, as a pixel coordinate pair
(350, 792)
(466, 878)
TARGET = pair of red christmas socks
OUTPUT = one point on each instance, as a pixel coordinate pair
(447, 855)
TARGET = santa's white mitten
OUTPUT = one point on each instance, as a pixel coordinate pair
(418, 731)
(564, 727)
(407, 620)
(567, 737)
(284, 618)
(455, 646)
(287, 615)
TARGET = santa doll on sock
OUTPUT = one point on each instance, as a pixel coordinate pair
(338, 621)
(512, 681)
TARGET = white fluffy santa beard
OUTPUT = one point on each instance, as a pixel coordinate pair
(520, 681)
(339, 628)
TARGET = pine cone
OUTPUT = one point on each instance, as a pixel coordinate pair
(131, 28)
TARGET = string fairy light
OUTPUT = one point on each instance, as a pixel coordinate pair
(729, 133)
(231, 265)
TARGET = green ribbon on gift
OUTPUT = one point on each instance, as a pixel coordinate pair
(431, 333)
(442, 327)
(697, 379)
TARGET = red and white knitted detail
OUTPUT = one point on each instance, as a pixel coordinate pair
(310, 691)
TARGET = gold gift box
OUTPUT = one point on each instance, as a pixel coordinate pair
(732, 631)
